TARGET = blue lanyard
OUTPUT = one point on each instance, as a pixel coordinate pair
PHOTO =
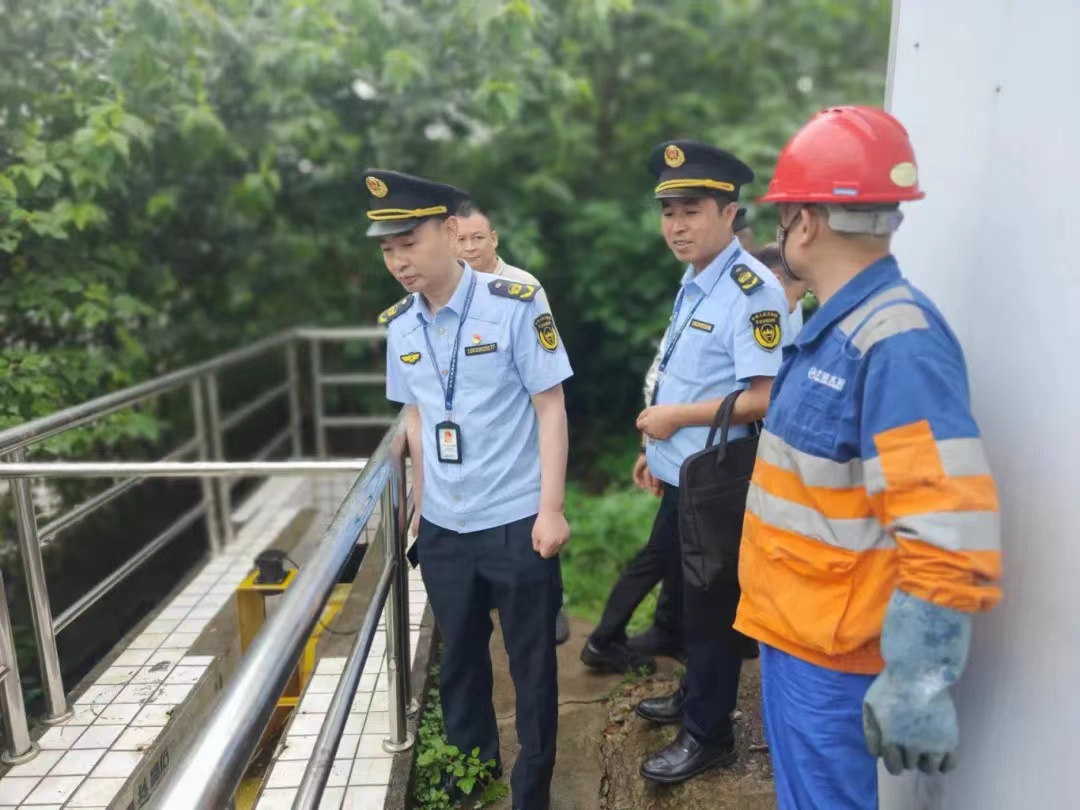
(673, 339)
(451, 377)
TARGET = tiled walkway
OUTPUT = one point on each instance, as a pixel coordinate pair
(85, 762)
(361, 770)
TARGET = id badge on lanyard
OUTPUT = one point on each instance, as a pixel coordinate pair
(448, 432)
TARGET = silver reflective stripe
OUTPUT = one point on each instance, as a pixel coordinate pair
(894, 319)
(959, 457)
(953, 531)
(852, 321)
(857, 534)
(812, 470)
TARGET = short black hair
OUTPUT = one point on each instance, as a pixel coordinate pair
(469, 208)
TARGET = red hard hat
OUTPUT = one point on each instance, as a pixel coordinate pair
(846, 155)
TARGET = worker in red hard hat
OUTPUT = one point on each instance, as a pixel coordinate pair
(871, 534)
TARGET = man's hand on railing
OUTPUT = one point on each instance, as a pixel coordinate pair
(550, 533)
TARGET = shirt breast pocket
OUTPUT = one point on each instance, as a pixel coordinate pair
(818, 415)
(481, 365)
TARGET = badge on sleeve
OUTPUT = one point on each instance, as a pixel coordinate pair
(766, 328)
(746, 278)
(546, 332)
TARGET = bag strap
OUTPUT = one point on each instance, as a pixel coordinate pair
(722, 421)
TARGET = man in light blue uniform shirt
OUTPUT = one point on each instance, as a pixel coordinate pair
(726, 333)
(478, 364)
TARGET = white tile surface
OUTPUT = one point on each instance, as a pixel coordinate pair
(371, 771)
(96, 793)
(371, 746)
(306, 724)
(132, 658)
(13, 789)
(174, 694)
(61, 736)
(325, 684)
(361, 702)
(180, 640)
(151, 675)
(117, 714)
(184, 674)
(138, 693)
(330, 666)
(137, 739)
(377, 723)
(116, 675)
(117, 764)
(287, 774)
(38, 766)
(298, 747)
(53, 789)
(153, 714)
(98, 694)
(78, 762)
(332, 798)
(364, 798)
(196, 660)
(316, 703)
(355, 724)
(339, 773)
(98, 736)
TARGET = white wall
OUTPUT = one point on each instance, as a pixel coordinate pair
(990, 92)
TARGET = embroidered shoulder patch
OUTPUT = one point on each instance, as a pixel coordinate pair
(746, 278)
(389, 314)
(704, 326)
(766, 328)
(411, 358)
(546, 332)
(513, 289)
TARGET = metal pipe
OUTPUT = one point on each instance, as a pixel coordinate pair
(208, 774)
(326, 744)
(268, 449)
(342, 333)
(397, 613)
(317, 414)
(106, 496)
(356, 421)
(217, 449)
(213, 516)
(92, 596)
(52, 682)
(356, 378)
(233, 419)
(177, 469)
(292, 372)
(12, 709)
(38, 429)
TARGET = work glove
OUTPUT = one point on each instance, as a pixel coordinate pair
(908, 715)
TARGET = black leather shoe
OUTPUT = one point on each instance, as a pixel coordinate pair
(562, 628)
(667, 710)
(655, 641)
(616, 657)
(686, 758)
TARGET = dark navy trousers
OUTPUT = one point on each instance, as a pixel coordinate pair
(466, 576)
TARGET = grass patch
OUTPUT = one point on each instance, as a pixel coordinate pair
(436, 757)
(607, 529)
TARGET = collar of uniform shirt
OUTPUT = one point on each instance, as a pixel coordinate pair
(879, 274)
(457, 300)
(707, 278)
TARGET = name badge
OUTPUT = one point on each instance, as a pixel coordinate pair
(448, 440)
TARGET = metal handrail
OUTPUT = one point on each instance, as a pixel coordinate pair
(215, 763)
(177, 469)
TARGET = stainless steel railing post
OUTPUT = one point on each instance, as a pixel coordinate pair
(317, 414)
(292, 370)
(202, 452)
(52, 682)
(217, 447)
(16, 733)
(392, 525)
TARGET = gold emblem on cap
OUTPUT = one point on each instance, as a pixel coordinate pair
(904, 174)
(674, 156)
(377, 187)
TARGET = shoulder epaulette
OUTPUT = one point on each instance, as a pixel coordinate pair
(747, 279)
(401, 306)
(513, 289)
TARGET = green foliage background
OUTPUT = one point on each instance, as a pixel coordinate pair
(178, 176)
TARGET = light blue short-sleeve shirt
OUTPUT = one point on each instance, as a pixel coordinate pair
(509, 352)
(729, 338)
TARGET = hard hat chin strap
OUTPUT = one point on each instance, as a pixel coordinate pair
(782, 231)
(864, 221)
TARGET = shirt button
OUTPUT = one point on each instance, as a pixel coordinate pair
(444, 372)
(457, 497)
(442, 331)
(461, 525)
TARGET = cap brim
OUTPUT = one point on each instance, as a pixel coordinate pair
(392, 227)
(683, 193)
